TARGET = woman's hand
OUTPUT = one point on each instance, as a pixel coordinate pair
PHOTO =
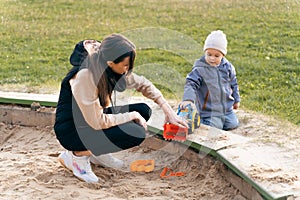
(176, 120)
(139, 119)
(172, 117)
(91, 46)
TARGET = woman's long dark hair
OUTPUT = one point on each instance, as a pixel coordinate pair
(117, 81)
(114, 48)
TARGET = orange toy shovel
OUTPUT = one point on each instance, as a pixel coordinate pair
(168, 172)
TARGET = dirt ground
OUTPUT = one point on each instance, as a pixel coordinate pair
(30, 169)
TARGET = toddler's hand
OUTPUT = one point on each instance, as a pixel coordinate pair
(183, 104)
(236, 105)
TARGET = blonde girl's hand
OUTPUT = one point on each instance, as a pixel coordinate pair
(139, 119)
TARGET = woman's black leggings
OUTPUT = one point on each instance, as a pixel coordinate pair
(117, 138)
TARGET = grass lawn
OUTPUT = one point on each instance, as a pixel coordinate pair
(37, 38)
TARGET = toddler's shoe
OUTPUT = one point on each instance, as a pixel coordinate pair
(79, 165)
(107, 160)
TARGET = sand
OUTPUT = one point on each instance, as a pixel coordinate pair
(30, 169)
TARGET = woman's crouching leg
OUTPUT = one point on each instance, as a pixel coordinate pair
(113, 139)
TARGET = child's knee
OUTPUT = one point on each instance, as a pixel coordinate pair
(233, 123)
(213, 121)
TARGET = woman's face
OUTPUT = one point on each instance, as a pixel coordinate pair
(121, 67)
(91, 46)
(213, 57)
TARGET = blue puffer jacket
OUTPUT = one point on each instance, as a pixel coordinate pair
(214, 90)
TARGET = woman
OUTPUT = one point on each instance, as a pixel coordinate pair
(88, 124)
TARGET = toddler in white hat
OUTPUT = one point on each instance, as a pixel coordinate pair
(215, 47)
(212, 85)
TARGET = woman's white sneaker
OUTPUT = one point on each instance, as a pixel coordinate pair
(107, 160)
(79, 165)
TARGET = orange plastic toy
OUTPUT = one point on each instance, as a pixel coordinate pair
(167, 172)
(142, 166)
(173, 132)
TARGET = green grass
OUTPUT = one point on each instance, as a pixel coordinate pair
(38, 36)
